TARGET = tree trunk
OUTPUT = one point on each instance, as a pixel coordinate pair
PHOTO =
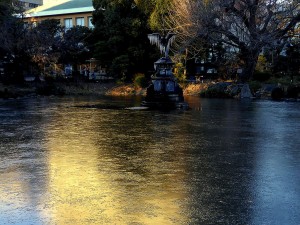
(249, 59)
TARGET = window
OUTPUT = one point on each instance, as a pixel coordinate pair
(32, 5)
(91, 25)
(68, 23)
(80, 21)
(21, 4)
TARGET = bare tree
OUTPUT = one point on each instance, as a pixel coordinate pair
(246, 26)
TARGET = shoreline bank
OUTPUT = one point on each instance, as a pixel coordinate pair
(32, 89)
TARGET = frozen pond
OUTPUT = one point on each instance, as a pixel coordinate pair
(91, 161)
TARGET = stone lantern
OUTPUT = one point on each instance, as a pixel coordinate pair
(164, 91)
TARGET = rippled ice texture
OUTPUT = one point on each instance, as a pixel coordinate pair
(90, 161)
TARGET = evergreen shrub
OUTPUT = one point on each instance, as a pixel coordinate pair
(140, 80)
(261, 76)
(214, 93)
(254, 85)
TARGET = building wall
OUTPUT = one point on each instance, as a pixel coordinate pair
(64, 18)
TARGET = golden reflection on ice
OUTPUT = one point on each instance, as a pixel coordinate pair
(13, 192)
(93, 181)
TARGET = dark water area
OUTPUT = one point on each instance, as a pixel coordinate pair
(92, 161)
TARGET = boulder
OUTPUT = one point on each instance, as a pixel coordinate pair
(246, 92)
(220, 87)
(266, 90)
(233, 90)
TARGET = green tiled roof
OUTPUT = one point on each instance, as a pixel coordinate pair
(58, 7)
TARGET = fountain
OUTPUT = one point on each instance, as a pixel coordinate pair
(164, 91)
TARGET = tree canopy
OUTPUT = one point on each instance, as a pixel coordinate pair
(159, 14)
(216, 29)
(244, 26)
(120, 37)
(12, 39)
(28, 48)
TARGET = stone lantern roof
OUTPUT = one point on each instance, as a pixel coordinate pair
(165, 61)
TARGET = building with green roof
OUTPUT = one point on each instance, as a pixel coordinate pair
(69, 12)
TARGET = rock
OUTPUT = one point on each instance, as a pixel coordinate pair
(266, 90)
(234, 90)
(269, 87)
(257, 94)
(220, 87)
(246, 92)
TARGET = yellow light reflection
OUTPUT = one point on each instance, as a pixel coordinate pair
(12, 191)
(91, 182)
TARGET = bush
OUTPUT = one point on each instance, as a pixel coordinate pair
(140, 80)
(214, 93)
(277, 93)
(254, 86)
(179, 73)
(218, 90)
(261, 76)
(282, 80)
(49, 78)
(293, 91)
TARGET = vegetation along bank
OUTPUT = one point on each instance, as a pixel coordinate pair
(222, 48)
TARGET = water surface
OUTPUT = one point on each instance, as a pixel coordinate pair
(91, 161)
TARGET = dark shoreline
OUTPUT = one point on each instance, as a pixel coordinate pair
(32, 89)
(35, 89)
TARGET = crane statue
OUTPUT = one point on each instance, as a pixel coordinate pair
(162, 42)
